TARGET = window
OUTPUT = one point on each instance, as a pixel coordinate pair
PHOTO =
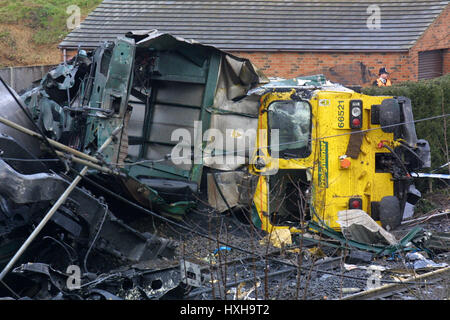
(293, 121)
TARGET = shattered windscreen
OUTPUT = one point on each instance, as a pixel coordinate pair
(292, 119)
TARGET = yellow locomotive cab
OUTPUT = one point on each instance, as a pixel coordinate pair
(323, 151)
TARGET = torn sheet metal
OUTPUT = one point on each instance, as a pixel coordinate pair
(21, 188)
(234, 115)
(241, 72)
(226, 190)
(418, 261)
(232, 143)
(48, 283)
(305, 82)
(84, 219)
(357, 225)
(433, 242)
(194, 273)
(172, 82)
(39, 273)
(227, 109)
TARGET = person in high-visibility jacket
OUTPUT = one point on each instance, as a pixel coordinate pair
(383, 80)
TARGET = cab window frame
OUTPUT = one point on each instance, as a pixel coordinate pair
(269, 136)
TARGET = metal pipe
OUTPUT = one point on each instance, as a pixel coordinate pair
(52, 211)
(88, 163)
(54, 143)
(393, 288)
(430, 175)
(12, 78)
(427, 217)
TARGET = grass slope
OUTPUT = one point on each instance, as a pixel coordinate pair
(30, 30)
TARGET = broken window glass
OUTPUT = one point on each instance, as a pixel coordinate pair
(293, 121)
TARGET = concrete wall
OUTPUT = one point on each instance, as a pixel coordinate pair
(22, 78)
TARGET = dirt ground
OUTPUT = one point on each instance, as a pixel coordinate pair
(18, 49)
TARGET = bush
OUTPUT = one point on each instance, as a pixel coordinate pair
(429, 98)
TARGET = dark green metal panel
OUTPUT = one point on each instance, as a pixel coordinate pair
(256, 220)
(157, 170)
(379, 250)
(184, 68)
(208, 101)
(178, 105)
(178, 66)
(149, 112)
(111, 93)
(116, 93)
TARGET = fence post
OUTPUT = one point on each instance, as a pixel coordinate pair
(11, 78)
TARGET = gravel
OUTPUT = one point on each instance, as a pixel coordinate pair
(311, 285)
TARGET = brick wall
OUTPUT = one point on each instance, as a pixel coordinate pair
(446, 61)
(358, 68)
(345, 68)
(437, 36)
(69, 54)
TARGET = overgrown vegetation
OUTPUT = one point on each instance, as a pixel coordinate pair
(47, 17)
(429, 98)
(7, 39)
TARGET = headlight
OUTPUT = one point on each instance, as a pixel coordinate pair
(356, 107)
(356, 112)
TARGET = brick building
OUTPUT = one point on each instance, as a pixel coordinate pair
(347, 41)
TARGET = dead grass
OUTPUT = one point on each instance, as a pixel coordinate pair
(18, 49)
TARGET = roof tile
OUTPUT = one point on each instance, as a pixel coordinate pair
(264, 25)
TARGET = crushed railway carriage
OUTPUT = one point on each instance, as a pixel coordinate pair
(161, 89)
(136, 97)
(336, 150)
